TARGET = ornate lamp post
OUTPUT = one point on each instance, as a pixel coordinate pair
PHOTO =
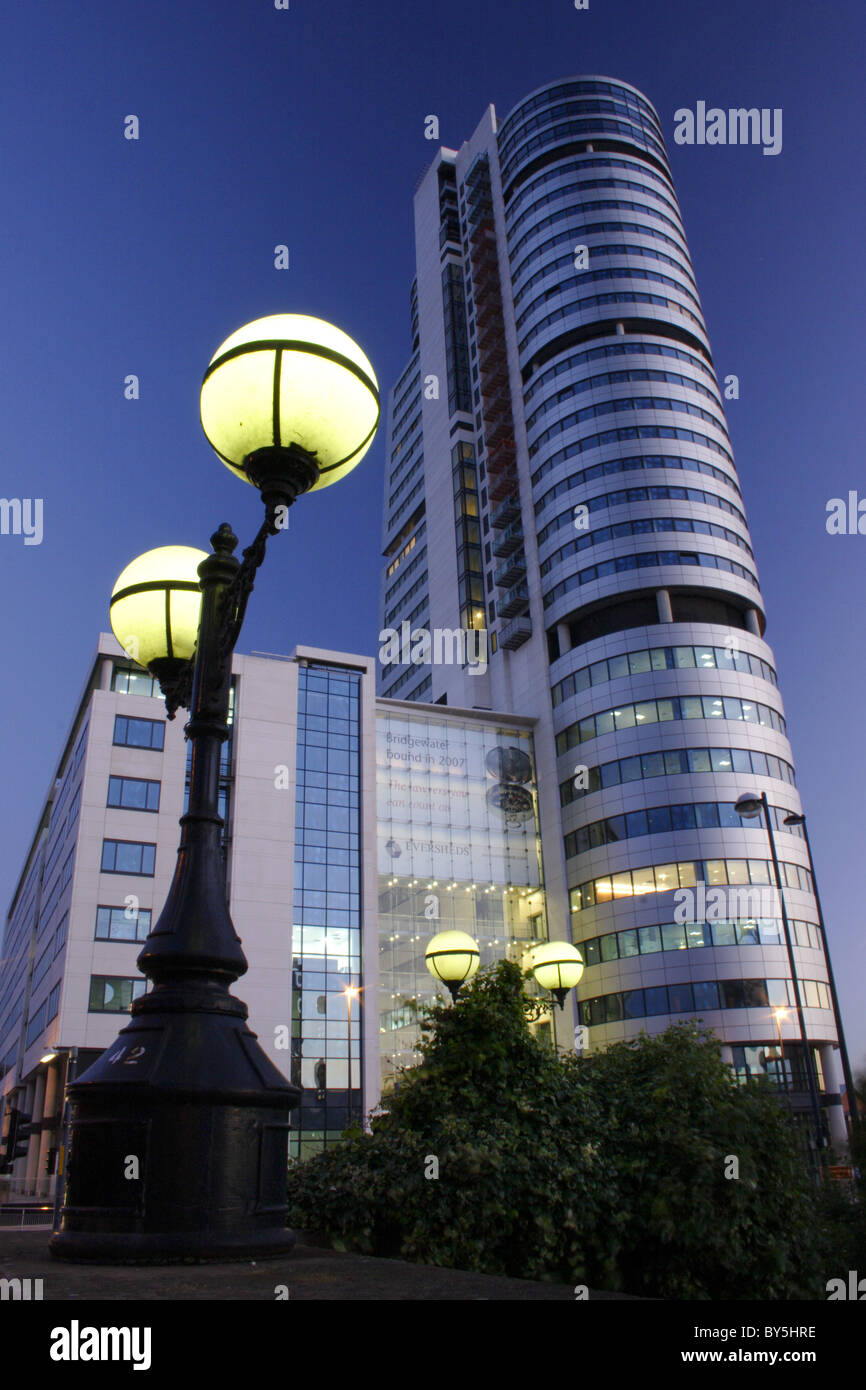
(179, 1131)
(452, 957)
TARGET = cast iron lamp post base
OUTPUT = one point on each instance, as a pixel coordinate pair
(179, 1146)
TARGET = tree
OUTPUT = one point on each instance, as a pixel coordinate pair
(612, 1170)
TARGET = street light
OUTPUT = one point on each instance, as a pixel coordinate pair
(558, 967)
(452, 957)
(351, 992)
(751, 807)
(794, 819)
(290, 404)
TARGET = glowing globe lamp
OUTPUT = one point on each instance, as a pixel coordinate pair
(155, 607)
(290, 404)
(557, 966)
(452, 957)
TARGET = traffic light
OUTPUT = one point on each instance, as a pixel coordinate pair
(20, 1146)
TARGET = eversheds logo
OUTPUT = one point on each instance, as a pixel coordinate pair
(76, 1343)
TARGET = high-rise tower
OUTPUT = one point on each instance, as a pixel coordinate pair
(560, 477)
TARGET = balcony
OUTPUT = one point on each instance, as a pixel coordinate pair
(510, 540)
(505, 513)
(500, 485)
(494, 369)
(515, 601)
(489, 335)
(497, 426)
(514, 634)
(509, 573)
(487, 309)
(478, 206)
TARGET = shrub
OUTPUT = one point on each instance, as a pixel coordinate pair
(608, 1170)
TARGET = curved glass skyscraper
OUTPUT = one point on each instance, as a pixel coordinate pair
(560, 480)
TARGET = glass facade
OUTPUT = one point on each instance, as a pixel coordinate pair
(458, 849)
(326, 936)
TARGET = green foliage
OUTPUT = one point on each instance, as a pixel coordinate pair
(607, 1170)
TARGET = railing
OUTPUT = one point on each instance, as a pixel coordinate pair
(39, 1189)
(506, 512)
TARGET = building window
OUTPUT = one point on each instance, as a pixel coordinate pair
(129, 680)
(133, 794)
(53, 1002)
(113, 994)
(122, 923)
(139, 733)
(128, 857)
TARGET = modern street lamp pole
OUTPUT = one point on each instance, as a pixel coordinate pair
(179, 1131)
(751, 806)
(351, 992)
(843, 1047)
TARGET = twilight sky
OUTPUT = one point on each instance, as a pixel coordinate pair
(305, 126)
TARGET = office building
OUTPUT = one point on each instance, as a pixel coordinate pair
(354, 830)
(560, 484)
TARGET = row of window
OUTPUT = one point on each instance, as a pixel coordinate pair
(661, 820)
(685, 873)
(590, 229)
(618, 104)
(660, 711)
(661, 492)
(69, 781)
(398, 562)
(647, 559)
(406, 394)
(391, 613)
(672, 762)
(54, 894)
(635, 462)
(61, 833)
(617, 378)
(682, 936)
(684, 658)
(599, 301)
(617, 436)
(408, 675)
(581, 87)
(566, 366)
(417, 466)
(590, 277)
(692, 997)
(43, 1016)
(622, 403)
(637, 135)
(564, 266)
(579, 164)
(409, 498)
(642, 526)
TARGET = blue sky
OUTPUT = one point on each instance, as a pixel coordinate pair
(306, 127)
